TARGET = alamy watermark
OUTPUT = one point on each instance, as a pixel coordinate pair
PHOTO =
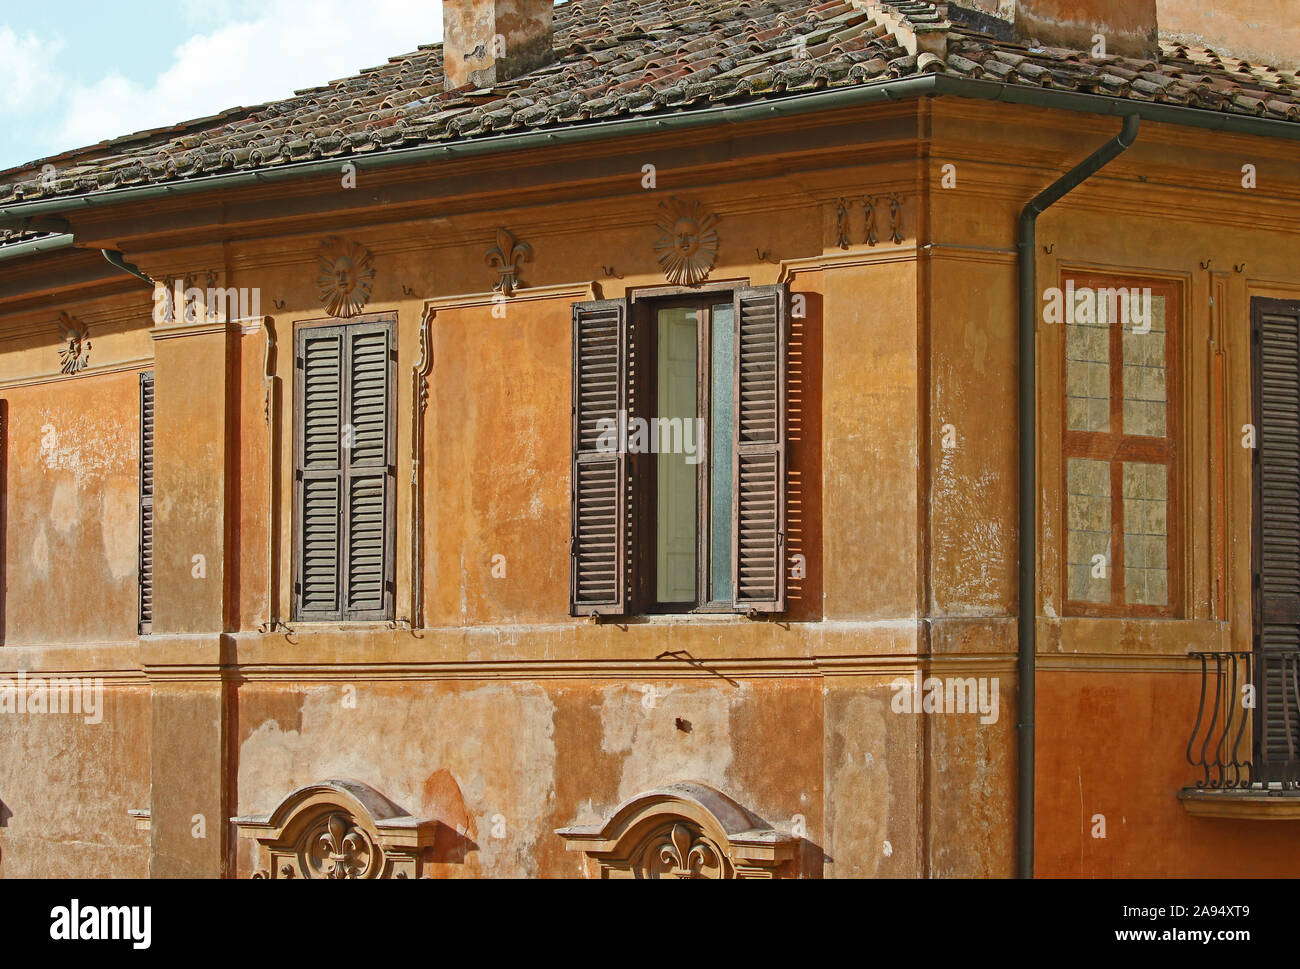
(655, 435)
(213, 304)
(1084, 306)
(75, 922)
(79, 695)
(947, 694)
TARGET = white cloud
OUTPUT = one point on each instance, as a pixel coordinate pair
(258, 58)
(28, 81)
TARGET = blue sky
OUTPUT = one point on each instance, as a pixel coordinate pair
(74, 72)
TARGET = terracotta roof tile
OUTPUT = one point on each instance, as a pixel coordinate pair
(619, 58)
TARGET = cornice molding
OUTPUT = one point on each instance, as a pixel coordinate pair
(124, 366)
(206, 328)
(572, 291)
(858, 256)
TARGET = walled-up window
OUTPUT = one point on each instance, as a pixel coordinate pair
(1120, 446)
(344, 471)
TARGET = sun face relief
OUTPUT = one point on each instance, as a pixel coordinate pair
(687, 247)
(347, 275)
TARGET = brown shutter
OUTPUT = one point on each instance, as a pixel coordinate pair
(346, 472)
(598, 546)
(758, 514)
(1276, 353)
(370, 472)
(145, 558)
(319, 391)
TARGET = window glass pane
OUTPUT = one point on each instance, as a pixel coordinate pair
(1087, 487)
(676, 520)
(1146, 534)
(1145, 400)
(1087, 376)
(721, 429)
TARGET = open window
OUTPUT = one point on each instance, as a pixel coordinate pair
(679, 453)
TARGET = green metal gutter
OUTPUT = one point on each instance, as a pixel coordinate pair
(31, 247)
(1027, 613)
(12, 216)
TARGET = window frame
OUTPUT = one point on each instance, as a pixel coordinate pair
(388, 320)
(1116, 448)
(645, 307)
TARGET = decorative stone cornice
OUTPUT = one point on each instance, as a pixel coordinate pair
(686, 830)
(339, 829)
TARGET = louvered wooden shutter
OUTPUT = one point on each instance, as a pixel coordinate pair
(320, 472)
(368, 450)
(145, 558)
(345, 473)
(1276, 353)
(598, 546)
(758, 513)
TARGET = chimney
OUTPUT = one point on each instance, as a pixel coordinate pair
(1129, 27)
(485, 42)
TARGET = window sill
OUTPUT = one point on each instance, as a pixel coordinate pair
(1242, 805)
(677, 618)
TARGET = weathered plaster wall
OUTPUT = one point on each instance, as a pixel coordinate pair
(66, 786)
(72, 520)
(505, 706)
(502, 764)
(1117, 698)
(1115, 744)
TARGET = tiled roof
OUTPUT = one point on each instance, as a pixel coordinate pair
(631, 58)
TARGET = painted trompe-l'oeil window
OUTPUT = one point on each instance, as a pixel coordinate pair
(1119, 450)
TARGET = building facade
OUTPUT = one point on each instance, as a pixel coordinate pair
(596, 454)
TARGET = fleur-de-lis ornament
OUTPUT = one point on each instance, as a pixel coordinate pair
(686, 856)
(341, 850)
(75, 353)
(507, 258)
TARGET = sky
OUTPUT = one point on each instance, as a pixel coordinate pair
(75, 72)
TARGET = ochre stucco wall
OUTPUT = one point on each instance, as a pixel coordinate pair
(1115, 744)
(73, 488)
(502, 704)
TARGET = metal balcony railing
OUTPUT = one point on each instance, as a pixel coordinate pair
(1230, 751)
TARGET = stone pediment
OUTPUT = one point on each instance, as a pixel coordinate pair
(339, 829)
(685, 830)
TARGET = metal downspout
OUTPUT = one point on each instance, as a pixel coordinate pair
(1027, 661)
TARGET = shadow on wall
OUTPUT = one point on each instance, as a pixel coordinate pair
(804, 471)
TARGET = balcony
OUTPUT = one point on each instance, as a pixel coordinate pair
(1247, 752)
